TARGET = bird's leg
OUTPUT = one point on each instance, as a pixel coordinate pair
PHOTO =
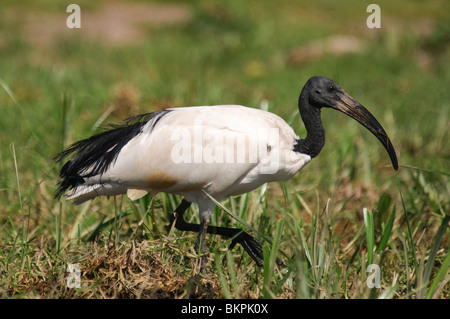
(200, 245)
(180, 224)
(177, 216)
(251, 245)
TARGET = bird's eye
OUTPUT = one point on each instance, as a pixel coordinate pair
(331, 89)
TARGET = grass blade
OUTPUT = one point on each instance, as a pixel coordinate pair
(410, 239)
(370, 234)
(386, 233)
(222, 278)
(23, 232)
(439, 276)
(443, 172)
(432, 257)
(8, 91)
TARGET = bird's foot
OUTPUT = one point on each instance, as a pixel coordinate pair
(253, 247)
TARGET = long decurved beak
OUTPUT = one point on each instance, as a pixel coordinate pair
(355, 110)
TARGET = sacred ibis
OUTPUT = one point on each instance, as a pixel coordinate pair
(204, 151)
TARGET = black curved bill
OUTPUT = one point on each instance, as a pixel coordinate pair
(355, 110)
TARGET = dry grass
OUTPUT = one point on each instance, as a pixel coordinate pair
(127, 271)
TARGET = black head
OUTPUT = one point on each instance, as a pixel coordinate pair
(321, 92)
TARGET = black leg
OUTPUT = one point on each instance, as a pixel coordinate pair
(251, 245)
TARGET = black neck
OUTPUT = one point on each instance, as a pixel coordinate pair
(315, 136)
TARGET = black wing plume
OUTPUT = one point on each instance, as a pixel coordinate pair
(94, 155)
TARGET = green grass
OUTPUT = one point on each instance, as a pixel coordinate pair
(346, 210)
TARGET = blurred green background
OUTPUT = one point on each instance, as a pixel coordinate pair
(58, 85)
(140, 56)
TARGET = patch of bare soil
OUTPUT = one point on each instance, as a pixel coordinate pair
(337, 45)
(115, 23)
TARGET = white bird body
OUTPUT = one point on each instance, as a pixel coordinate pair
(222, 150)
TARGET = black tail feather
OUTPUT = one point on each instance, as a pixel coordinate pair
(94, 155)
